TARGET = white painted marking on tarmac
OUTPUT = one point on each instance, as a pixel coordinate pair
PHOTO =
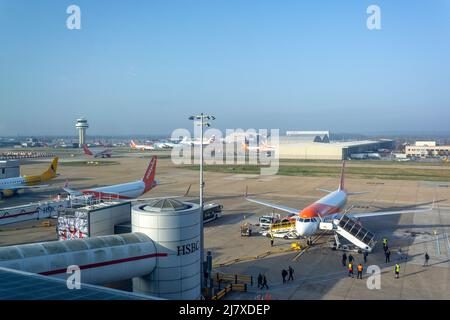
(448, 242)
(438, 246)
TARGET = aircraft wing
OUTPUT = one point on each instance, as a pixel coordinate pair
(357, 193)
(275, 206)
(324, 190)
(21, 187)
(387, 213)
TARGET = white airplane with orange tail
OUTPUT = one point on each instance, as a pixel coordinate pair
(263, 147)
(328, 208)
(128, 190)
(142, 147)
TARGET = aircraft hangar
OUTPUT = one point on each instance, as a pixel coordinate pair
(293, 147)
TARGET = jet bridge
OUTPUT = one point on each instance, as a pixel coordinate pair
(351, 230)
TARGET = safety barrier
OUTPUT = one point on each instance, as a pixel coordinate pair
(234, 278)
(222, 293)
(240, 287)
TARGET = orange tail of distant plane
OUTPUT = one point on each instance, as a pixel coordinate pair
(132, 144)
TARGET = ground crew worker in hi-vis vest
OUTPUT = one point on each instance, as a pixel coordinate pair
(385, 244)
(397, 270)
(360, 270)
(350, 270)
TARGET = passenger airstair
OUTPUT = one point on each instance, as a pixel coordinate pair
(351, 230)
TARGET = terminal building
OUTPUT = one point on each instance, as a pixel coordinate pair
(423, 149)
(316, 145)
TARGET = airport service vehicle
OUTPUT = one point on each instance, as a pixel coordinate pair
(211, 212)
(290, 234)
(192, 142)
(359, 156)
(128, 190)
(10, 186)
(102, 154)
(328, 213)
(265, 221)
(142, 147)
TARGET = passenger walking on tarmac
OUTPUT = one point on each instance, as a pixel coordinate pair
(397, 270)
(260, 279)
(291, 274)
(387, 253)
(427, 257)
(365, 254)
(350, 258)
(350, 270)
(284, 274)
(344, 260)
(264, 283)
(271, 239)
(360, 270)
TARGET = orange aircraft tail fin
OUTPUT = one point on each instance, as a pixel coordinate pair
(342, 180)
(149, 177)
(86, 150)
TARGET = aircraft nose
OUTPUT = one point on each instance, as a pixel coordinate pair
(305, 229)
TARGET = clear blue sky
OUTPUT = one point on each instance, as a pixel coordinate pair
(142, 67)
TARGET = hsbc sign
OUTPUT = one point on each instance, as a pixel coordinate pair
(188, 248)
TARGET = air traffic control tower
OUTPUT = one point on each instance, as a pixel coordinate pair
(81, 125)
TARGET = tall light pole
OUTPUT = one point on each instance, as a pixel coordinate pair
(203, 121)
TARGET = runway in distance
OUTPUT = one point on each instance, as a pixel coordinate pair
(128, 190)
(10, 186)
(327, 208)
(102, 154)
(142, 147)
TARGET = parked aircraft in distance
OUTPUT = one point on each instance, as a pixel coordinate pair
(102, 154)
(142, 147)
(263, 147)
(195, 142)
